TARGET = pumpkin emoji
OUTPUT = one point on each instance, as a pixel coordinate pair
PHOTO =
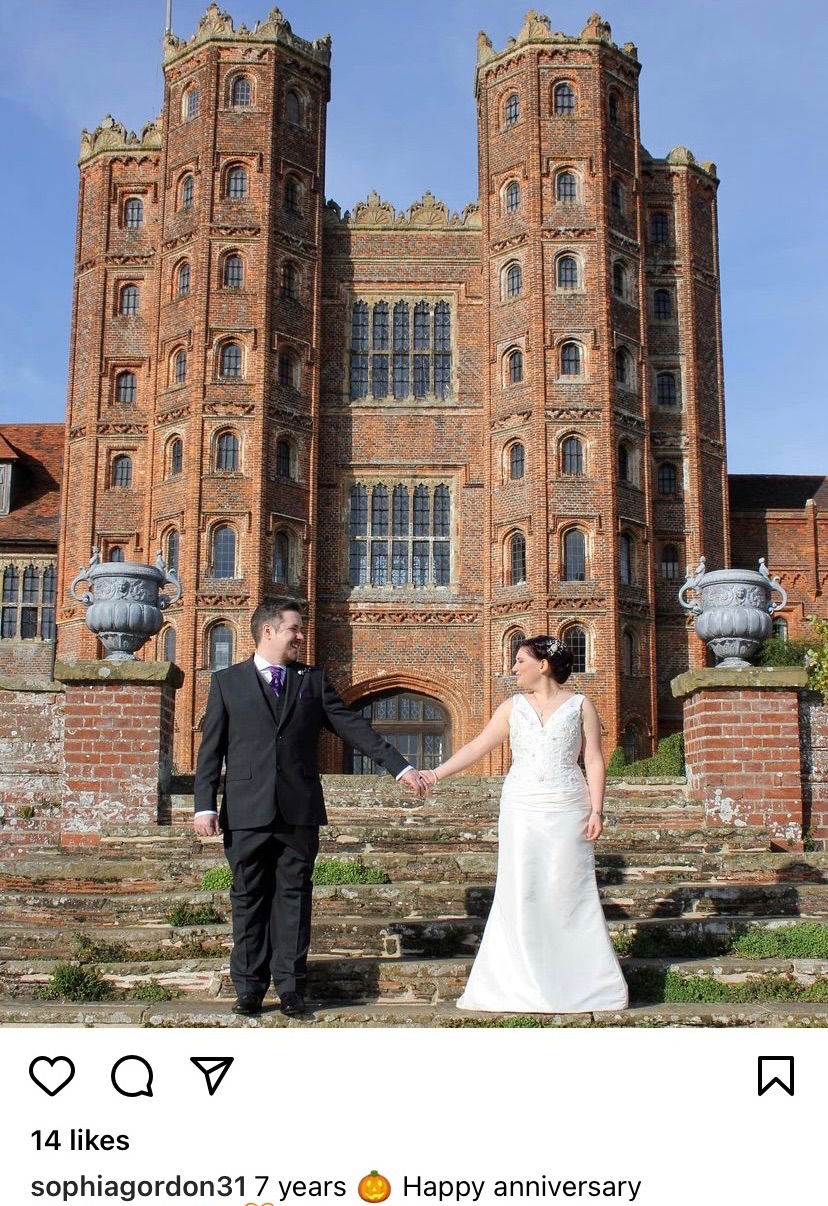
(374, 1187)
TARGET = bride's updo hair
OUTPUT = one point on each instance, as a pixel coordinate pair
(555, 652)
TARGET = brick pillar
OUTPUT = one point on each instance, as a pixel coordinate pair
(118, 732)
(742, 746)
(813, 718)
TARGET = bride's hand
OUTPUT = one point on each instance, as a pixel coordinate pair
(595, 826)
(431, 781)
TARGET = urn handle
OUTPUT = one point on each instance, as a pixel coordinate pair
(170, 575)
(693, 582)
(83, 575)
(774, 584)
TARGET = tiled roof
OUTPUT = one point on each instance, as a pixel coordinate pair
(775, 491)
(36, 474)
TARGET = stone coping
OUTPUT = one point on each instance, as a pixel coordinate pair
(20, 682)
(789, 678)
(78, 671)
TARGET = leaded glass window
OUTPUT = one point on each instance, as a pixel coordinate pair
(659, 228)
(407, 354)
(223, 559)
(663, 304)
(221, 647)
(574, 556)
(515, 367)
(180, 367)
(566, 186)
(571, 360)
(227, 452)
(233, 277)
(242, 92)
(176, 457)
(517, 559)
(670, 562)
(625, 558)
(168, 645)
(419, 550)
(134, 213)
(237, 184)
(184, 279)
(283, 459)
(281, 558)
(126, 388)
(512, 109)
(564, 100)
(667, 478)
(567, 272)
(187, 191)
(666, 390)
(514, 280)
(122, 471)
(517, 461)
(231, 360)
(512, 197)
(575, 639)
(573, 456)
(173, 547)
(129, 300)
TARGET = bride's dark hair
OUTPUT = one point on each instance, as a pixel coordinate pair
(555, 652)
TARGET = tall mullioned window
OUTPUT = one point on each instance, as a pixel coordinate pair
(400, 350)
(28, 602)
(399, 536)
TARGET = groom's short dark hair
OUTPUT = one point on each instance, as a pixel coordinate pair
(271, 612)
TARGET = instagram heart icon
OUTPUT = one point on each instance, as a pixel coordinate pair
(51, 1075)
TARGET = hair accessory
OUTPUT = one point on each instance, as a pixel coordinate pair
(553, 646)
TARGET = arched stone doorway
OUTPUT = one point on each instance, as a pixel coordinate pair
(417, 725)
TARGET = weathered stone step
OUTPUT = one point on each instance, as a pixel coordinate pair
(187, 1013)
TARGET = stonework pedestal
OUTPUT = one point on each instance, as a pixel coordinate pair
(742, 746)
(118, 732)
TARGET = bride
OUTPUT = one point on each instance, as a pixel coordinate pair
(546, 947)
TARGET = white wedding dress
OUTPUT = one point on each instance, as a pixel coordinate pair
(546, 947)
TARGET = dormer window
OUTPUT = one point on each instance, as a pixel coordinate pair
(5, 487)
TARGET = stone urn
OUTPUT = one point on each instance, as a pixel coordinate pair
(125, 604)
(733, 610)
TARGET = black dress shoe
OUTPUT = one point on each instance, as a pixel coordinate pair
(248, 1005)
(292, 1004)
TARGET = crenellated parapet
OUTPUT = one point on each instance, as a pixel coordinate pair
(217, 25)
(537, 29)
(111, 136)
(426, 214)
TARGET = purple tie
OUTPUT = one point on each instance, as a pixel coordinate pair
(276, 673)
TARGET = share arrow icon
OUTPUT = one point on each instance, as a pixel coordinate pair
(214, 1067)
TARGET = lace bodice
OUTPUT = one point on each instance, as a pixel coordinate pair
(546, 754)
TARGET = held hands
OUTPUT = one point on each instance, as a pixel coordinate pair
(595, 826)
(415, 782)
(206, 824)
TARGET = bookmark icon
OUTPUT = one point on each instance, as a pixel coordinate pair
(214, 1067)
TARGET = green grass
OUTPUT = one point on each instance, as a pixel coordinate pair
(802, 940)
(347, 871)
(150, 991)
(652, 986)
(217, 879)
(182, 914)
(95, 950)
(75, 982)
(805, 940)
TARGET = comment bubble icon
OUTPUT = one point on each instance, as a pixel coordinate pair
(132, 1076)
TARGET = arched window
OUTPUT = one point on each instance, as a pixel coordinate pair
(176, 456)
(571, 360)
(575, 639)
(624, 465)
(189, 104)
(667, 478)
(670, 562)
(574, 556)
(122, 471)
(515, 363)
(572, 456)
(221, 647)
(129, 300)
(180, 367)
(281, 558)
(512, 111)
(242, 94)
(659, 228)
(517, 559)
(227, 452)
(663, 304)
(173, 546)
(223, 552)
(283, 459)
(780, 629)
(182, 277)
(666, 391)
(564, 100)
(623, 367)
(293, 109)
(289, 283)
(230, 360)
(415, 724)
(288, 369)
(566, 186)
(237, 184)
(517, 461)
(514, 642)
(613, 108)
(631, 743)
(293, 195)
(567, 272)
(134, 213)
(514, 280)
(512, 197)
(168, 644)
(627, 652)
(126, 388)
(116, 554)
(233, 275)
(619, 279)
(616, 197)
(187, 191)
(625, 558)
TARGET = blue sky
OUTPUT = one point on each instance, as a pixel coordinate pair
(741, 82)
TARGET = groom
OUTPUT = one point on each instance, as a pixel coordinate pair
(262, 722)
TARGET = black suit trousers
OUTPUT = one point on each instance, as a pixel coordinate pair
(271, 905)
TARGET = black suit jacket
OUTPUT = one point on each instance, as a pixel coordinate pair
(269, 747)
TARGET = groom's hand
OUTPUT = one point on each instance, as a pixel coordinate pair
(413, 782)
(206, 824)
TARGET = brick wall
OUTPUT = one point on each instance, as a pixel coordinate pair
(814, 731)
(31, 762)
